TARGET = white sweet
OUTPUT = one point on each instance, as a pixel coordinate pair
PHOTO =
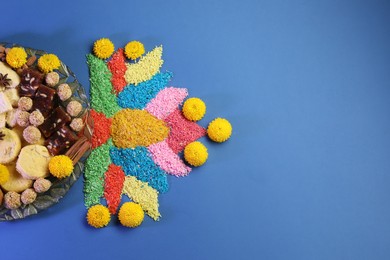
(5, 104)
(13, 96)
(3, 120)
(12, 117)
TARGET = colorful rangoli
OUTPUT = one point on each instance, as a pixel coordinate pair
(140, 130)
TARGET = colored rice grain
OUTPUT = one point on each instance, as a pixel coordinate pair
(102, 98)
(169, 161)
(182, 131)
(145, 68)
(131, 128)
(141, 193)
(101, 131)
(137, 97)
(118, 69)
(95, 168)
(137, 162)
(114, 179)
(166, 101)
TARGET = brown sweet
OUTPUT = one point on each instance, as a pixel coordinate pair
(44, 100)
(54, 122)
(60, 140)
(30, 79)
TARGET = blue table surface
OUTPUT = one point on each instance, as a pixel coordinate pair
(305, 85)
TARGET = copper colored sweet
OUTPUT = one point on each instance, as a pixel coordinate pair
(44, 100)
(31, 76)
(54, 122)
(61, 140)
(30, 79)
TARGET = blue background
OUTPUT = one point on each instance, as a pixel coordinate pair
(306, 87)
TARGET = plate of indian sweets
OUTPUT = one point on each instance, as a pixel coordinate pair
(45, 130)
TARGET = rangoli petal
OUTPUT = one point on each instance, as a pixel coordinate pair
(117, 66)
(137, 162)
(169, 161)
(101, 131)
(137, 97)
(102, 98)
(141, 193)
(182, 131)
(113, 178)
(166, 101)
(145, 68)
(95, 167)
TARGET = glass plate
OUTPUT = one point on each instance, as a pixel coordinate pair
(59, 187)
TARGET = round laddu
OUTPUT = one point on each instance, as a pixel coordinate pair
(52, 78)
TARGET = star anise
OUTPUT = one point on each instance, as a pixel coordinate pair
(4, 80)
(1, 135)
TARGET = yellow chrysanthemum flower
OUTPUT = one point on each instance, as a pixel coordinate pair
(98, 216)
(131, 214)
(48, 63)
(196, 154)
(60, 166)
(4, 174)
(219, 130)
(134, 50)
(16, 57)
(194, 109)
(103, 48)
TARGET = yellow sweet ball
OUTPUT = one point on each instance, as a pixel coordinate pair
(98, 216)
(194, 109)
(16, 57)
(134, 50)
(61, 166)
(103, 48)
(219, 130)
(196, 153)
(48, 62)
(131, 214)
(4, 174)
